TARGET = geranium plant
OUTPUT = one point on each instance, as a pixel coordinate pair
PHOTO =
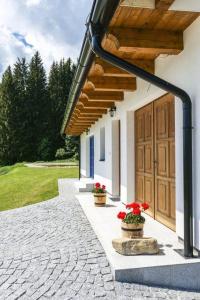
(99, 189)
(133, 214)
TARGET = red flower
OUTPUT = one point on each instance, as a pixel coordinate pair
(121, 215)
(103, 187)
(133, 205)
(97, 185)
(145, 206)
(136, 211)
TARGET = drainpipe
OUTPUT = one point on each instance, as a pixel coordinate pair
(95, 41)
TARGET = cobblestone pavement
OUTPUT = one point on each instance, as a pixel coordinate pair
(49, 251)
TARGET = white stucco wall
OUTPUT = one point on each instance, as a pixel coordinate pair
(182, 70)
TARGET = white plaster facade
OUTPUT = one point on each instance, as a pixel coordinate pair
(184, 71)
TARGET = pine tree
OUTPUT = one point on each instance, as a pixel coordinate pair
(38, 114)
(60, 79)
(7, 119)
(32, 111)
(20, 73)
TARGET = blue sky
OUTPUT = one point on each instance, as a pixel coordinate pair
(53, 27)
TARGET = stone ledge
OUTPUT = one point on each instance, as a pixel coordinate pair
(139, 246)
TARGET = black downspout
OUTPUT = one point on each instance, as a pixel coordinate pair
(95, 41)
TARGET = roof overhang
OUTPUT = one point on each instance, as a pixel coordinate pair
(137, 31)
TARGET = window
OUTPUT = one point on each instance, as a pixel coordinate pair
(102, 144)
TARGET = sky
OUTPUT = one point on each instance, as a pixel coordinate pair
(53, 27)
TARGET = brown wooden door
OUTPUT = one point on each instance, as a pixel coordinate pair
(144, 156)
(165, 161)
(155, 158)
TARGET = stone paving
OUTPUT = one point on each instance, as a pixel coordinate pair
(49, 251)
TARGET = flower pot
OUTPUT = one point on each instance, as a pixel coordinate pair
(132, 231)
(99, 199)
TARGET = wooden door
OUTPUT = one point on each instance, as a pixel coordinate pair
(155, 159)
(144, 156)
(165, 161)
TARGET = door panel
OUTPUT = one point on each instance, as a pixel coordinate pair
(155, 158)
(148, 159)
(162, 159)
(144, 156)
(172, 159)
(172, 200)
(161, 120)
(148, 122)
(162, 193)
(140, 188)
(140, 127)
(140, 158)
(165, 160)
(149, 194)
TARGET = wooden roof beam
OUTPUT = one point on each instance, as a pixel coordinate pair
(102, 68)
(92, 110)
(103, 96)
(87, 117)
(81, 126)
(83, 120)
(78, 126)
(113, 83)
(163, 4)
(110, 70)
(160, 41)
(78, 122)
(95, 104)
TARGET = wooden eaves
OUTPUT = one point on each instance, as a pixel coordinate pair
(138, 35)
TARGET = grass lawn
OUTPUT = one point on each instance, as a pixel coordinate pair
(21, 186)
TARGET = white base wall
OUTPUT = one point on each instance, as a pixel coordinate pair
(182, 70)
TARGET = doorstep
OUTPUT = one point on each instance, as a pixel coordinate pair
(84, 185)
(168, 269)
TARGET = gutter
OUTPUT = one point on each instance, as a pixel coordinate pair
(102, 12)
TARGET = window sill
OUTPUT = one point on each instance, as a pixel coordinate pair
(102, 160)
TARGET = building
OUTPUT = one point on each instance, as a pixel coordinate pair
(133, 136)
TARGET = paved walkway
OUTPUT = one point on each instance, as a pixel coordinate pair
(49, 251)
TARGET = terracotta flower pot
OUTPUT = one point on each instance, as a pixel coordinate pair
(132, 231)
(99, 199)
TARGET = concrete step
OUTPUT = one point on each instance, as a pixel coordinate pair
(168, 268)
(85, 185)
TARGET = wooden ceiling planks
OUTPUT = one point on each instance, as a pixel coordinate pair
(154, 19)
(138, 35)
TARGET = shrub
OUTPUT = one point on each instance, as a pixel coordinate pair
(60, 154)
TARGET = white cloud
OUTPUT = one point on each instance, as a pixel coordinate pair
(54, 27)
(32, 2)
(11, 48)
